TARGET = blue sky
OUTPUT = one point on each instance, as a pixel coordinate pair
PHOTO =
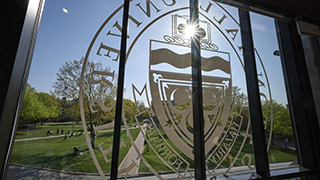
(64, 37)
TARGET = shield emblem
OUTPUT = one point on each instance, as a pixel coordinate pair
(171, 83)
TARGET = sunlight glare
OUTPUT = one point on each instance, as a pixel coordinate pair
(189, 31)
(64, 10)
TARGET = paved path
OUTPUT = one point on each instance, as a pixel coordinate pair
(280, 142)
(130, 164)
(36, 138)
(17, 172)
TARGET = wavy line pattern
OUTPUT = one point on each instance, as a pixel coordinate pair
(183, 61)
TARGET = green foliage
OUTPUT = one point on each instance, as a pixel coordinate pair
(130, 110)
(98, 93)
(100, 117)
(52, 106)
(281, 118)
(69, 79)
(31, 106)
(67, 86)
(239, 98)
(38, 106)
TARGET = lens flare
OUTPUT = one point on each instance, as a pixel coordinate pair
(189, 31)
(64, 10)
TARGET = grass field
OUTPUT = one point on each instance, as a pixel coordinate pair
(276, 154)
(41, 130)
(57, 153)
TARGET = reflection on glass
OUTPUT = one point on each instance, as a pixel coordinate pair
(72, 129)
(51, 134)
(277, 120)
(311, 45)
(158, 78)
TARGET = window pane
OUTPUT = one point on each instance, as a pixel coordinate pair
(78, 48)
(53, 134)
(311, 45)
(278, 128)
(158, 81)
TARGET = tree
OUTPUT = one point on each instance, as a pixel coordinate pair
(281, 118)
(38, 106)
(31, 106)
(67, 85)
(69, 110)
(130, 110)
(238, 97)
(52, 107)
(240, 104)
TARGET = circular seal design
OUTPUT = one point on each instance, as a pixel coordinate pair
(159, 75)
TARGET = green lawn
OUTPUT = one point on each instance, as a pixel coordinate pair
(41, 130)
(276, 154)
(56, 153)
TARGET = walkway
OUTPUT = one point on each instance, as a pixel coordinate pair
(17, 172)
(130, 164)
(280, 142)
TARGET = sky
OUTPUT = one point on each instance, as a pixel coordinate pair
(64, 37)
(68, 26)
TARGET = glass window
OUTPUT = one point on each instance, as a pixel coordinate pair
(277, 120)
(67, 118)
(51, 133)
(311, 49)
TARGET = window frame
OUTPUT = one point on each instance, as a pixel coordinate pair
(22, 22)
(15, 69)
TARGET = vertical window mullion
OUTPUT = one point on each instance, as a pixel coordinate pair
(197, 105)
(257, 126)
(118, 115)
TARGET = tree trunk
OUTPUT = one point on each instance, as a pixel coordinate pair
(92, 131)
(92, 134)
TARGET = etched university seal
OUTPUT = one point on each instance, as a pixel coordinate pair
(159, 74)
